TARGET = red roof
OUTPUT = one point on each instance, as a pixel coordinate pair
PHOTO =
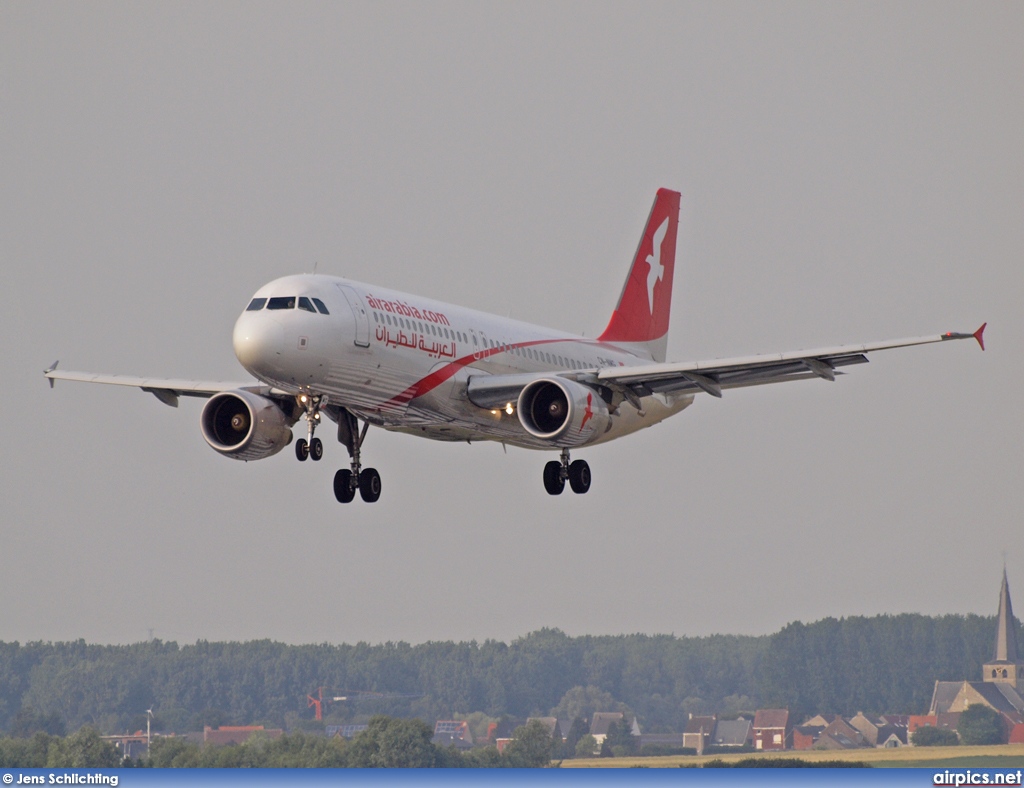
(771, 718)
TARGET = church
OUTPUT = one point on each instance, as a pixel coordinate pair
(1002, 681)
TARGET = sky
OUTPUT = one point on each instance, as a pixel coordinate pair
(849, 173)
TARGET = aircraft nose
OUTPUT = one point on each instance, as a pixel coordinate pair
(258, 340)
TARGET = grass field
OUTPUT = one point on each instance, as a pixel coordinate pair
(1004, 756)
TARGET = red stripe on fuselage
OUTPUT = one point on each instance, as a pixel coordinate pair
(436, 378)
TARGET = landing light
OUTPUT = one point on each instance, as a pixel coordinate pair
(508, 409)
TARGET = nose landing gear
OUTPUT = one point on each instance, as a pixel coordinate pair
(309, 446)
(558, 471)
(348, 480)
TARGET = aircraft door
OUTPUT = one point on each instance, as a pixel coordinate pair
(362, 338)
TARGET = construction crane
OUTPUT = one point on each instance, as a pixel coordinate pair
(338, 695)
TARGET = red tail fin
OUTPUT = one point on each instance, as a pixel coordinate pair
(642, 315)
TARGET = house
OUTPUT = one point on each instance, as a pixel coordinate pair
(841, 735)
(892, 736)
(732, 733)
(867, 727)
(550, 724)
(237, 734)
(698, 732)
(820, 720)
(804, 737)
(770, 729)
(452, 732)
(674, 740)
(600, 723)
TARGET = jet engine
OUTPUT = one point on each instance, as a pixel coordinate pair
(562, 411)
(245, 426)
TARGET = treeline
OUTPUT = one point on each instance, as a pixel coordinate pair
(386, 743)
(879, 664)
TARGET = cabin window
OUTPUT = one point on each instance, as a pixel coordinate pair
(281, 302)
(256, 305)
(320, 306)
(305, 303)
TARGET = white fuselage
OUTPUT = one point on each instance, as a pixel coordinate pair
(403, 362)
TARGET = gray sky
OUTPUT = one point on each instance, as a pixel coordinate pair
(850, 173)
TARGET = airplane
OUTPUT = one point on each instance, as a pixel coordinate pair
(364, 355)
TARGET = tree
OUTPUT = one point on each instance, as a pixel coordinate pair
(930, 736)
(530, 747)
(27, 722)
(389, 743)
(980, 724)
(579, 729)
(83, 749)
(583, 702)
(620, 739)
(586, 747)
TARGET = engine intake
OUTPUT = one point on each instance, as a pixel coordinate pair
(245, 426)
(562, 411)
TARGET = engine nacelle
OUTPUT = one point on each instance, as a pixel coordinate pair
(562, 411)
(245, 426)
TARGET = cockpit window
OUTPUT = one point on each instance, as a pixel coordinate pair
(282, 302)
(304, 303)
(320, 306)
(256, 305)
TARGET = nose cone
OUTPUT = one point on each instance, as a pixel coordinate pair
(259, 343)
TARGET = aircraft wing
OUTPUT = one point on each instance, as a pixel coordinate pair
(165, 390)
(713, 377)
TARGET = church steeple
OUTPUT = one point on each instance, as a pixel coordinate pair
(1005, 667)
(1006, 630)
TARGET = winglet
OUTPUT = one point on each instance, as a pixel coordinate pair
(53, 366)
(980, 335)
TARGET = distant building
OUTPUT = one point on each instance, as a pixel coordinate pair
(549, 723)
(237, 734)
(770, 729)
(698, 732)
(453, 732)
(600, 723)
(732, 733)
(130, 745)
(1002, 677)
(344, 731)
(805, 737)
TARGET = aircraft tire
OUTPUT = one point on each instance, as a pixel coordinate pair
(343, 489)
(316, 449)
(553, 481)
(369, 485)
(301, 450)
(579, 476)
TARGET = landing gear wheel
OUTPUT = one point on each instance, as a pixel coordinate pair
(344, 490)
(302, 450)
(316, 449)
(579, 476)
(369, 485)
(553, 481)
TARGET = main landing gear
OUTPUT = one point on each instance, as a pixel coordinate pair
(348, 480)
(309, 446)
(557, 471)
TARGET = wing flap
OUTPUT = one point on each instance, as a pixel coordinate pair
(712, 377)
